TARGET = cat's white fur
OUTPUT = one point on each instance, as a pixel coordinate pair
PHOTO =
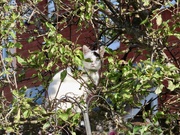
(76, 89)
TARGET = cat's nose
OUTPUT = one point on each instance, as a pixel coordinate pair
(92, 64)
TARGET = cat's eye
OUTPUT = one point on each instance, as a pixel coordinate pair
(98, 58)
(88, 60)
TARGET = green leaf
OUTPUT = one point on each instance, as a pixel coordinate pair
(145, 21)
(77, 60)
(30, 39)
(26, 114)
(82, 8)
(171, 67)
(9, 129)
(9, 59)
(64, 116)
(159, 89)
(17, 118)
(171, 86)
(13, 34)
(18, 45)
(46, 125)
(39, 110)
(146, 2)
(49, 66)
(76, 117)
(63, 75)
(73, 133)
(126, 96)
(136, 129)
(159, 20)
(110, 60)
(20, 60)
(62, 50)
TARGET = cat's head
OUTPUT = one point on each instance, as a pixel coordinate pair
(92, 58)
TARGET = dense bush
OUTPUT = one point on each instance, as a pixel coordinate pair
(125, 80)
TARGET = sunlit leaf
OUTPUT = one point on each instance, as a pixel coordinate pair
(73, 133)
(20, 60)
(159, 89)
(172, 86)
(145, 21)
(159, 20)
(146, 2)
(9, 129)
(26, 114)
(46, 125)
(64, 116)
(17, 118)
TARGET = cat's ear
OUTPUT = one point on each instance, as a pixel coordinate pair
(101, 51)
(85, 49)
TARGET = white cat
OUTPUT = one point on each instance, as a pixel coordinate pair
(76, 89)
